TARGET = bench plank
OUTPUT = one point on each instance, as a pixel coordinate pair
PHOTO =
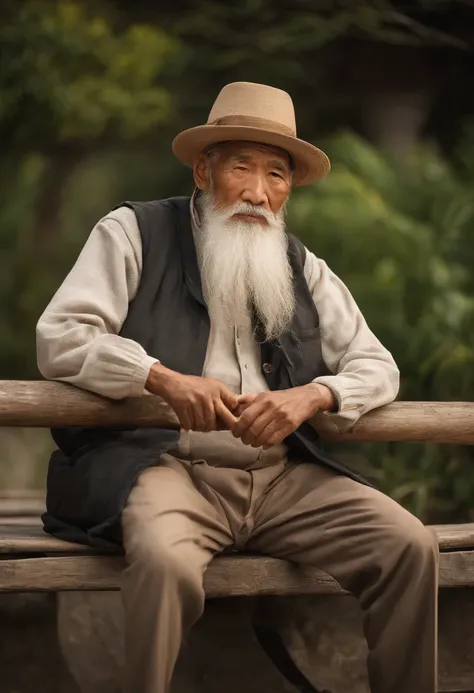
(20, 494)
(21, 521)
(227, 576)
(456, 536)
(30, 538)
(12, 507)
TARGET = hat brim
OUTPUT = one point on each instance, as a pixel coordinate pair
(311, 164)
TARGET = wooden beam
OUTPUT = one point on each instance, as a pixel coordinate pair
(11, 507)
(416, 422)
(26, 536)
(49, 404)
(227, 576)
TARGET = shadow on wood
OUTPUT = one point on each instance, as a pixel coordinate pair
(324, 635)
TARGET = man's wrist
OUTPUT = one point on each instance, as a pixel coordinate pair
(159, 379)
(323, 397)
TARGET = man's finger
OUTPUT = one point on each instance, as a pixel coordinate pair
(184, 419)
(210, 418)
(199, 418)
(225, 416)
(247, 398)
(244, 402)
(241, 408)
(256, 429)
(274, 430)
(208, 414)
(230, 399)
(248, 417)
(278, 437)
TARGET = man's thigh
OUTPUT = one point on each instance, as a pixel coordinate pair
(166, 517)
(318, 517)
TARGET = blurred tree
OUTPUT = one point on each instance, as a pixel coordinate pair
(72, 81)
(382, 67)
(401, 238)
(92, 92)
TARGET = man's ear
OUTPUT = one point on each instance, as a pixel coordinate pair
(202, 172)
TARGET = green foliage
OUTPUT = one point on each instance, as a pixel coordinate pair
(79, 76)
(90, 96)
(400, 238)
(73, 80)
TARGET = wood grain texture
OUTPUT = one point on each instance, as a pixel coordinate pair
(227, 576)
(20, 521)
(47, 404)
(17, 507)
(28, 537)
(417, 422)
(21, 494)
(460, 536)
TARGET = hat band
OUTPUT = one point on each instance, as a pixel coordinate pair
(255, 122)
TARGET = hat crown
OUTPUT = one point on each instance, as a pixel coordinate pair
(252, 100)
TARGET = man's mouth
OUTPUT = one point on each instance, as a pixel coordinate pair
(252, 218)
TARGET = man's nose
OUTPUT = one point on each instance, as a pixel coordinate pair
(255, 192)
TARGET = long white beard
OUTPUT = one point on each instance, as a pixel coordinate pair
(245, 264)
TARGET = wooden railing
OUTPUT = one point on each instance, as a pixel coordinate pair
(48, 404)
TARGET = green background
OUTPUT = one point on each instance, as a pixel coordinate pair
(91, 95)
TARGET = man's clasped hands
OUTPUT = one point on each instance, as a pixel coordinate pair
(260, 419)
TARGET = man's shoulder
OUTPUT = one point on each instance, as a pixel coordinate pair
(122, 215)
(135, 218)
(151, 207)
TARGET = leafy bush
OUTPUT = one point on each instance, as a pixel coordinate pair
(400, 238)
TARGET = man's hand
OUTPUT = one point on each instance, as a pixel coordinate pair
(267, 418)
(201, 404)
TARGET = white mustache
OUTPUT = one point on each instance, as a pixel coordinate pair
(253, 210)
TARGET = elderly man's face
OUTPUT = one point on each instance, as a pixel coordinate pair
(242, 243)
(246, 172)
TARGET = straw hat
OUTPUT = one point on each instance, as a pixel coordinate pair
(255, 113)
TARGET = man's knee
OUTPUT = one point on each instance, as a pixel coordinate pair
(164, 556)
(166, 568)
(410, 542)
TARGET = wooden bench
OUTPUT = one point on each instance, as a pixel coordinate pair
(31, 561)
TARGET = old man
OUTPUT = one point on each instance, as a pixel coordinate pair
(209, 303)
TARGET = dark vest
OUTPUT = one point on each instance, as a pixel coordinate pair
(92, 472)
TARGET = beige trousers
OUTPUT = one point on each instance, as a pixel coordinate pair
(181, 513)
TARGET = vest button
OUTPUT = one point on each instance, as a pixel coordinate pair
(267, 368)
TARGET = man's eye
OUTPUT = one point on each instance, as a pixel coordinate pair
(241, 168)
(276, 175)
